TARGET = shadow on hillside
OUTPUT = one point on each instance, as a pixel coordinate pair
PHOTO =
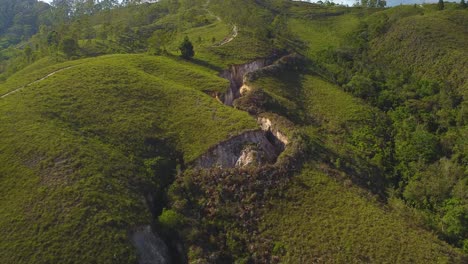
(197, 62)
(347, 167)
(206, 65)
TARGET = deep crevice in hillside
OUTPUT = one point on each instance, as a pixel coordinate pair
(251, 148)
(235, 179)
(155, 243)
(254, 154)
(236, 74)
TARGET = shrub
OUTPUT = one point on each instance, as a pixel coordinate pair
(170, 219)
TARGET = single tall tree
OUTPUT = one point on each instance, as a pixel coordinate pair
(440, 5)
(186, 49)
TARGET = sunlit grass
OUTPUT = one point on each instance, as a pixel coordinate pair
(73, 146)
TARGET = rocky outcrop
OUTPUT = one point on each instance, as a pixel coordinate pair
(236, 74)
(293, 62)
(240, 75)
(245, 89)
(267, 125)
(151, 248)
(227, 153)
(249, 157)
(253, 147)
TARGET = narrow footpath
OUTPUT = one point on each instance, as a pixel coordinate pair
(36, 81)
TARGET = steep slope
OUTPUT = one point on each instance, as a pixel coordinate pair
(317, 213)
(321, 220)
(82, 149)
(410, 63)
(430, 45)
(321, 216)
(354, 152)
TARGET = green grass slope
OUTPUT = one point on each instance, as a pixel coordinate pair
(79, 150)
(321, 220)
(322, 216)
(321, 33)
(84, 142)
(354, 134)
(242, 48)
(430, 46)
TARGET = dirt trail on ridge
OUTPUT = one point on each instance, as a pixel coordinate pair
(36, 81)
(234, 28)
(230, 38)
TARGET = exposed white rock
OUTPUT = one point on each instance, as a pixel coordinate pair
(269, 141)
(236, 74)
(245, 89)
(249, 157)
(227, 153)
(266, 125)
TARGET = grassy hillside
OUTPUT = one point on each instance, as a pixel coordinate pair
(81, 148)
(319, 219)
(409, 62)
(428, 45)
(354, 134)
(321, 215)
(323, 33)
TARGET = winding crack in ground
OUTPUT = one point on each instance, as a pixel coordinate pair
(270, 141)
(36, 81)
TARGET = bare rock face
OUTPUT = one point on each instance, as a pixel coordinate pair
(236, 74)
(151, 248)
(267, 125)
(227, 153)
(252, 148)
(250, 156)
(245, 89)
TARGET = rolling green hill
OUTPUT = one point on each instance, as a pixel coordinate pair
(323, 220)
(80, 149)
(429, 45)
(321, 216)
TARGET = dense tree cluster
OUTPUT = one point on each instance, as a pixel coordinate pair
(20, 19)
(428, 123)
(74, 28)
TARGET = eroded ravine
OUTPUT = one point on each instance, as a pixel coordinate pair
(236, 73)
(251, 148)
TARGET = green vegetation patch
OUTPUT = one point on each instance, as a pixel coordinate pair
(429, 46)
(81, 148)
(323, 32)
(331, 106)
(353, 136)
(34, 72)
(321, 220)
